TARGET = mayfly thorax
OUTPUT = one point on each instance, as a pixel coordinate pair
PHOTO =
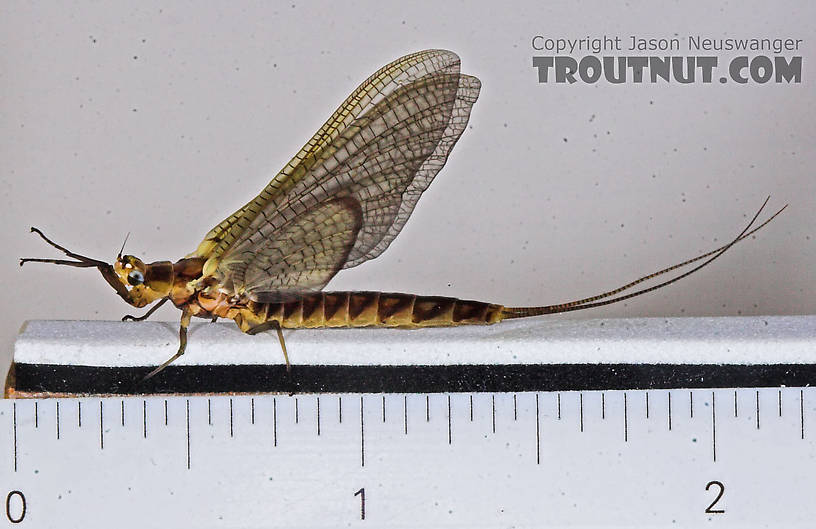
(338, 203)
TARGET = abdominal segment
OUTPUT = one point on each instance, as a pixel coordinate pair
(356, 309)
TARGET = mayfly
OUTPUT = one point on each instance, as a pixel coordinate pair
(338, 203)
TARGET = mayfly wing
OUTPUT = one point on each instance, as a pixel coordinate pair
(381, 148)
(303, 254)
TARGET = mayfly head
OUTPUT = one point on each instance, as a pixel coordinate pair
(136, 282)
(144, 283)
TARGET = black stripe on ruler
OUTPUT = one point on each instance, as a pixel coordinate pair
(406, 379)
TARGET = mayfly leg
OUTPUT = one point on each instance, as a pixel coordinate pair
(146, 315)
(185, 322)
(273, 324)
(277, 328)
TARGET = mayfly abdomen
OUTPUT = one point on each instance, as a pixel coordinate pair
(366, 309)
(380, 309)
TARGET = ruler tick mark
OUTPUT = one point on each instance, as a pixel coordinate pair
(188, 434)
(603, 406)
(449, 421)
(580, 408)
(209, 412)
(757, 409)
(14, 421)
(558, 399)
(669, 410)
(471, 408)
(362, 434)
(318, 415)
(538, 435)
(58, 419)
(383, 408)
(691, 405)
(231, 430)
(79, 414)
(647, 404)
(165, 412)
(123, 412)
(275, 421)
(625, 420)
(493, 404)
(802, 411)
(713, 427)
(780, 402)
(36, 416)
(297, 411)
(427, 409)
(101, 428)
(405, 413)
(340, 410)
(735, 403)
(515, 408)
(144, 418)
(252, 409)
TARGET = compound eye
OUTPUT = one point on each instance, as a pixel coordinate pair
(135, 278)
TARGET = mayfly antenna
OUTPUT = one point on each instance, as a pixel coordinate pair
(119, 255)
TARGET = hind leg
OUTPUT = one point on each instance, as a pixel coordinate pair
(273, 324)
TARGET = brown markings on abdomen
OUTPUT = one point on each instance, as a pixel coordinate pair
(431, 309)
(366, 309)
(395, 310)
(335, 308)
(465, 311)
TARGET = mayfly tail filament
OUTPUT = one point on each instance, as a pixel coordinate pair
(593, 301)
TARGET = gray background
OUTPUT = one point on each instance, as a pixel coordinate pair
(164, 118)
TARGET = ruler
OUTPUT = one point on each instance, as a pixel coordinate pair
(732, 457)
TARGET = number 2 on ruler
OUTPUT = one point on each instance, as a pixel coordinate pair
(710, 509)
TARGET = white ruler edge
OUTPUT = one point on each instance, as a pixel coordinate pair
(549, 340)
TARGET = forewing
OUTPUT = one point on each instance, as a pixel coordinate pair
(304, 253)
(382, 148)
